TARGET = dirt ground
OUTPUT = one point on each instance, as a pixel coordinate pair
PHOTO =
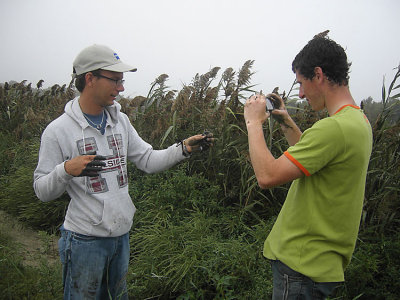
(33, 246)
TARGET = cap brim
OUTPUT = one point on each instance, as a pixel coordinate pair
(120, 67)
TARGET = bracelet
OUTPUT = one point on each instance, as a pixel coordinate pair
(185, 151)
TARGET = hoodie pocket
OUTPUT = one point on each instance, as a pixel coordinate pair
(117, 216)
(101, 212)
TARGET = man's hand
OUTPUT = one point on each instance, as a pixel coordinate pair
(85, 165)
(255, 110)
(199, 142)
(290, 129)
(280, 114)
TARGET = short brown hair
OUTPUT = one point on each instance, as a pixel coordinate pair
(80, 80)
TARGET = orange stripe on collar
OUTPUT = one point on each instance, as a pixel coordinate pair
(354, 106)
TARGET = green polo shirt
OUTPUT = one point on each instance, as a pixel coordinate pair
(316, 230)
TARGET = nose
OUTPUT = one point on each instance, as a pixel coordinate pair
(120, 88)
(301, 93)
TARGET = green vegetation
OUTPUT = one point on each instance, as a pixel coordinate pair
(28, 276)
(200, 227)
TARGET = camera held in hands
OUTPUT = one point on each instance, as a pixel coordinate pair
(272, 104)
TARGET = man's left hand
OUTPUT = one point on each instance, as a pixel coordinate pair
(199, 142)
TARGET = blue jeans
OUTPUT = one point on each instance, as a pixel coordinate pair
(94, 267)
(289, 284)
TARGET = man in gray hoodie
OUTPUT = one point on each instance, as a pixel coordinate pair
(84, 152)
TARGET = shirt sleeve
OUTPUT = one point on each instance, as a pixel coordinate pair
(149, 160)
(50, 178)
(317, 146)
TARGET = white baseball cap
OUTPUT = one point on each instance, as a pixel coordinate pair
(99, 57)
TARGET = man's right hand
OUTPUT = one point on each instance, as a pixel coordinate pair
(290, 129)
(85, 165)
(280, 114)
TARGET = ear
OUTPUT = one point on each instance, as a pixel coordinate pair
(319, 74)
(89, 77)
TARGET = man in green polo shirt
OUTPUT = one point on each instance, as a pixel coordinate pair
(314, 236)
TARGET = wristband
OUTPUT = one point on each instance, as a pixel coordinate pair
(185, 151)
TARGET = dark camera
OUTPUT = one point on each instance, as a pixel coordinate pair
(272, 104)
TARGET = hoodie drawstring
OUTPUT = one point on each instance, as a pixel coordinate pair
(84, 152)
(119, 155)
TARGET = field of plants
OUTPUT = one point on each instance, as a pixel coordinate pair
(200, 227)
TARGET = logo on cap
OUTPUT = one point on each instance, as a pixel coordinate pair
(116, 56)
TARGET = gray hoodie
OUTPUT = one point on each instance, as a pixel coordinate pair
(99, 206)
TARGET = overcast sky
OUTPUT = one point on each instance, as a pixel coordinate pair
(41, 38)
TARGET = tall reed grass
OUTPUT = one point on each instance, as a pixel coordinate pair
(199, 228)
